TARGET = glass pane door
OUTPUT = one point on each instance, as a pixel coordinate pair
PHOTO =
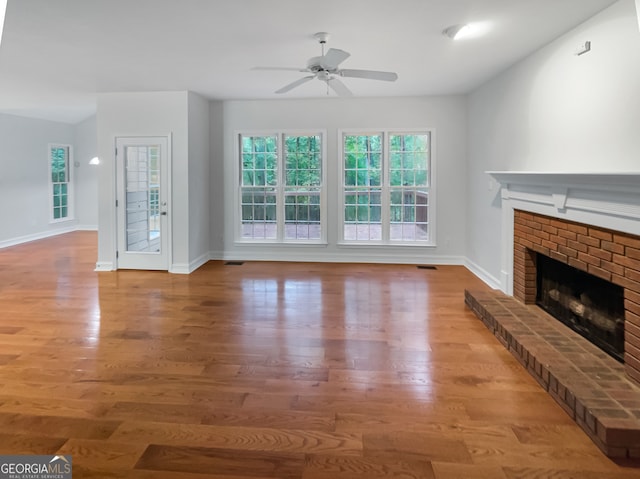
(142, 177)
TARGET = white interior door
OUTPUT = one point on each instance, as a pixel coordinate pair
(142, 202)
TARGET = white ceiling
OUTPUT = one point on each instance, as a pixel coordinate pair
(57, 54)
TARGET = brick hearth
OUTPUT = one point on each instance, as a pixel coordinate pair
(608, 254)
(590, 386)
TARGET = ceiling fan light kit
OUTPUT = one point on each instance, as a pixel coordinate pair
(326, 68)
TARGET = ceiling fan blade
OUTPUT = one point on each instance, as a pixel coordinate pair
(288, 69)
(339, 87)
(369, 74)
(333, 58)
(296, 83)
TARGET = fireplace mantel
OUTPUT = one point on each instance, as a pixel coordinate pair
(607, 200)
(621, 182)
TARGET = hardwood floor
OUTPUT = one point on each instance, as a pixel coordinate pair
(263, 370)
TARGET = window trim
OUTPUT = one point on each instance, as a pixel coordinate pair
(280, 188)
(430, 242)
(70, 183)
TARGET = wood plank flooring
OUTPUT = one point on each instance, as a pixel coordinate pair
(263, 370)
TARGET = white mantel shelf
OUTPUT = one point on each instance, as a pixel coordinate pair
(593, 181)
(607, 200)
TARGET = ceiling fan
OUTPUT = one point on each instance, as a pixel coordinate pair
(325, 68)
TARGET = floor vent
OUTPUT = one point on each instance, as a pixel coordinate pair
(234, 263)
(426, 266)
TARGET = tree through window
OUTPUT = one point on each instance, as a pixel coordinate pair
(282, 187)
(60, 182)
(386, 187)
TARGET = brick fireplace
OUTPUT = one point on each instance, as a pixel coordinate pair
(608, 254)
(556, 222)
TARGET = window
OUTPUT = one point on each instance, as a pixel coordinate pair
(282, 187)
(386, 187)
(60, 181)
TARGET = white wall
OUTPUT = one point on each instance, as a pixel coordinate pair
(199, 187)
(554, 111)
(216, 183)
(143, 114)
(24, 170)
(86, 147)
(447, 115)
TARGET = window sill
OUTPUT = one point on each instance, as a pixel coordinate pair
(371, 244)
(61, 220)
(279, 244)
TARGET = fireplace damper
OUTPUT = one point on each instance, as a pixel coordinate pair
(589, 305)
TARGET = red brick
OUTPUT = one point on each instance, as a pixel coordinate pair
(633, 253)
(600, 253)
(556, 223)
(632, 274)
(614, 268)
(581, 265)
(599, 272)
(632, 341)
(617, 432)
(550, 245)
(632, 350)
(632, 295)
(627, 262)
(576, 228)
(623, 281)
(589, 259)
(588, 240)
(525, 243)
(535, 225)
(632, 320)
(558, 257)
(560, 241)
(630, 327)
(518, 219)
(631, 306)
(569, 252)
(568, 234)
(524, 214)
(535, 240)
(613, 247)
(627, 240)
(540, 249)
(633, 374)
(631, 363)
(542, 235)
(521, 230)
(552, 230)
(578, 246)
(601, 234)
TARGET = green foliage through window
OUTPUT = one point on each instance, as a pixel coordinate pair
(60, 178)
(386, 181)
(282, 176)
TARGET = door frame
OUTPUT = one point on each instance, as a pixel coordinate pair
(169, 195)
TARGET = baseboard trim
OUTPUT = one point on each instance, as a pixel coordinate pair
(289, 256)
(104, 266)
(184, 268)
(481, 273)
(36, 236)
(352, 257)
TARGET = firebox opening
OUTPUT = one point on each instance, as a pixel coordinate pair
(587, 304)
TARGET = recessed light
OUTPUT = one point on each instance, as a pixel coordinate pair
(465, 30)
